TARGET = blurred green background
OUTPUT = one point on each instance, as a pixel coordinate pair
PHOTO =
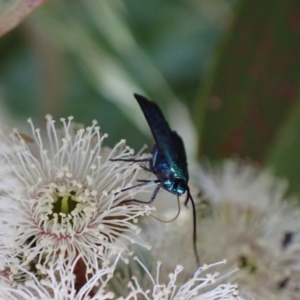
(226, 73)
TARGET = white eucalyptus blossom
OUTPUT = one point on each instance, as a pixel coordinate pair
(8, 181)
(66, 197)
(60, 282)
(170, 242)
(201, 285)
(254, 227)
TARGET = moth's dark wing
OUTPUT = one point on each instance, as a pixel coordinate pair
(160, 128)
(168, 142)
(181, 155)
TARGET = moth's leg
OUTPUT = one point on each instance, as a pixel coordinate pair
(153, 196)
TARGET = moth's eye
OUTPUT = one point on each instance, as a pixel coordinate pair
(179, 186)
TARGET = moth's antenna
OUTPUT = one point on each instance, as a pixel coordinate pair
(169, 221)
(194, 225)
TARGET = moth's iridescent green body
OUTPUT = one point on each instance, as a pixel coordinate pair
(168, 161)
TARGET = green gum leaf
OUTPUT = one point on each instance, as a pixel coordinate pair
(12, 12)
(284, 155)
(255, 81)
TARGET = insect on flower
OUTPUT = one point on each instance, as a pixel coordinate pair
(168, 162)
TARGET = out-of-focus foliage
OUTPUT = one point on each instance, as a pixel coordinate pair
(88, 58)
(12, 12)
(255, 81)
(284, 156)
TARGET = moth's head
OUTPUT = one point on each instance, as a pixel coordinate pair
(175, 186)
(179, 186)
